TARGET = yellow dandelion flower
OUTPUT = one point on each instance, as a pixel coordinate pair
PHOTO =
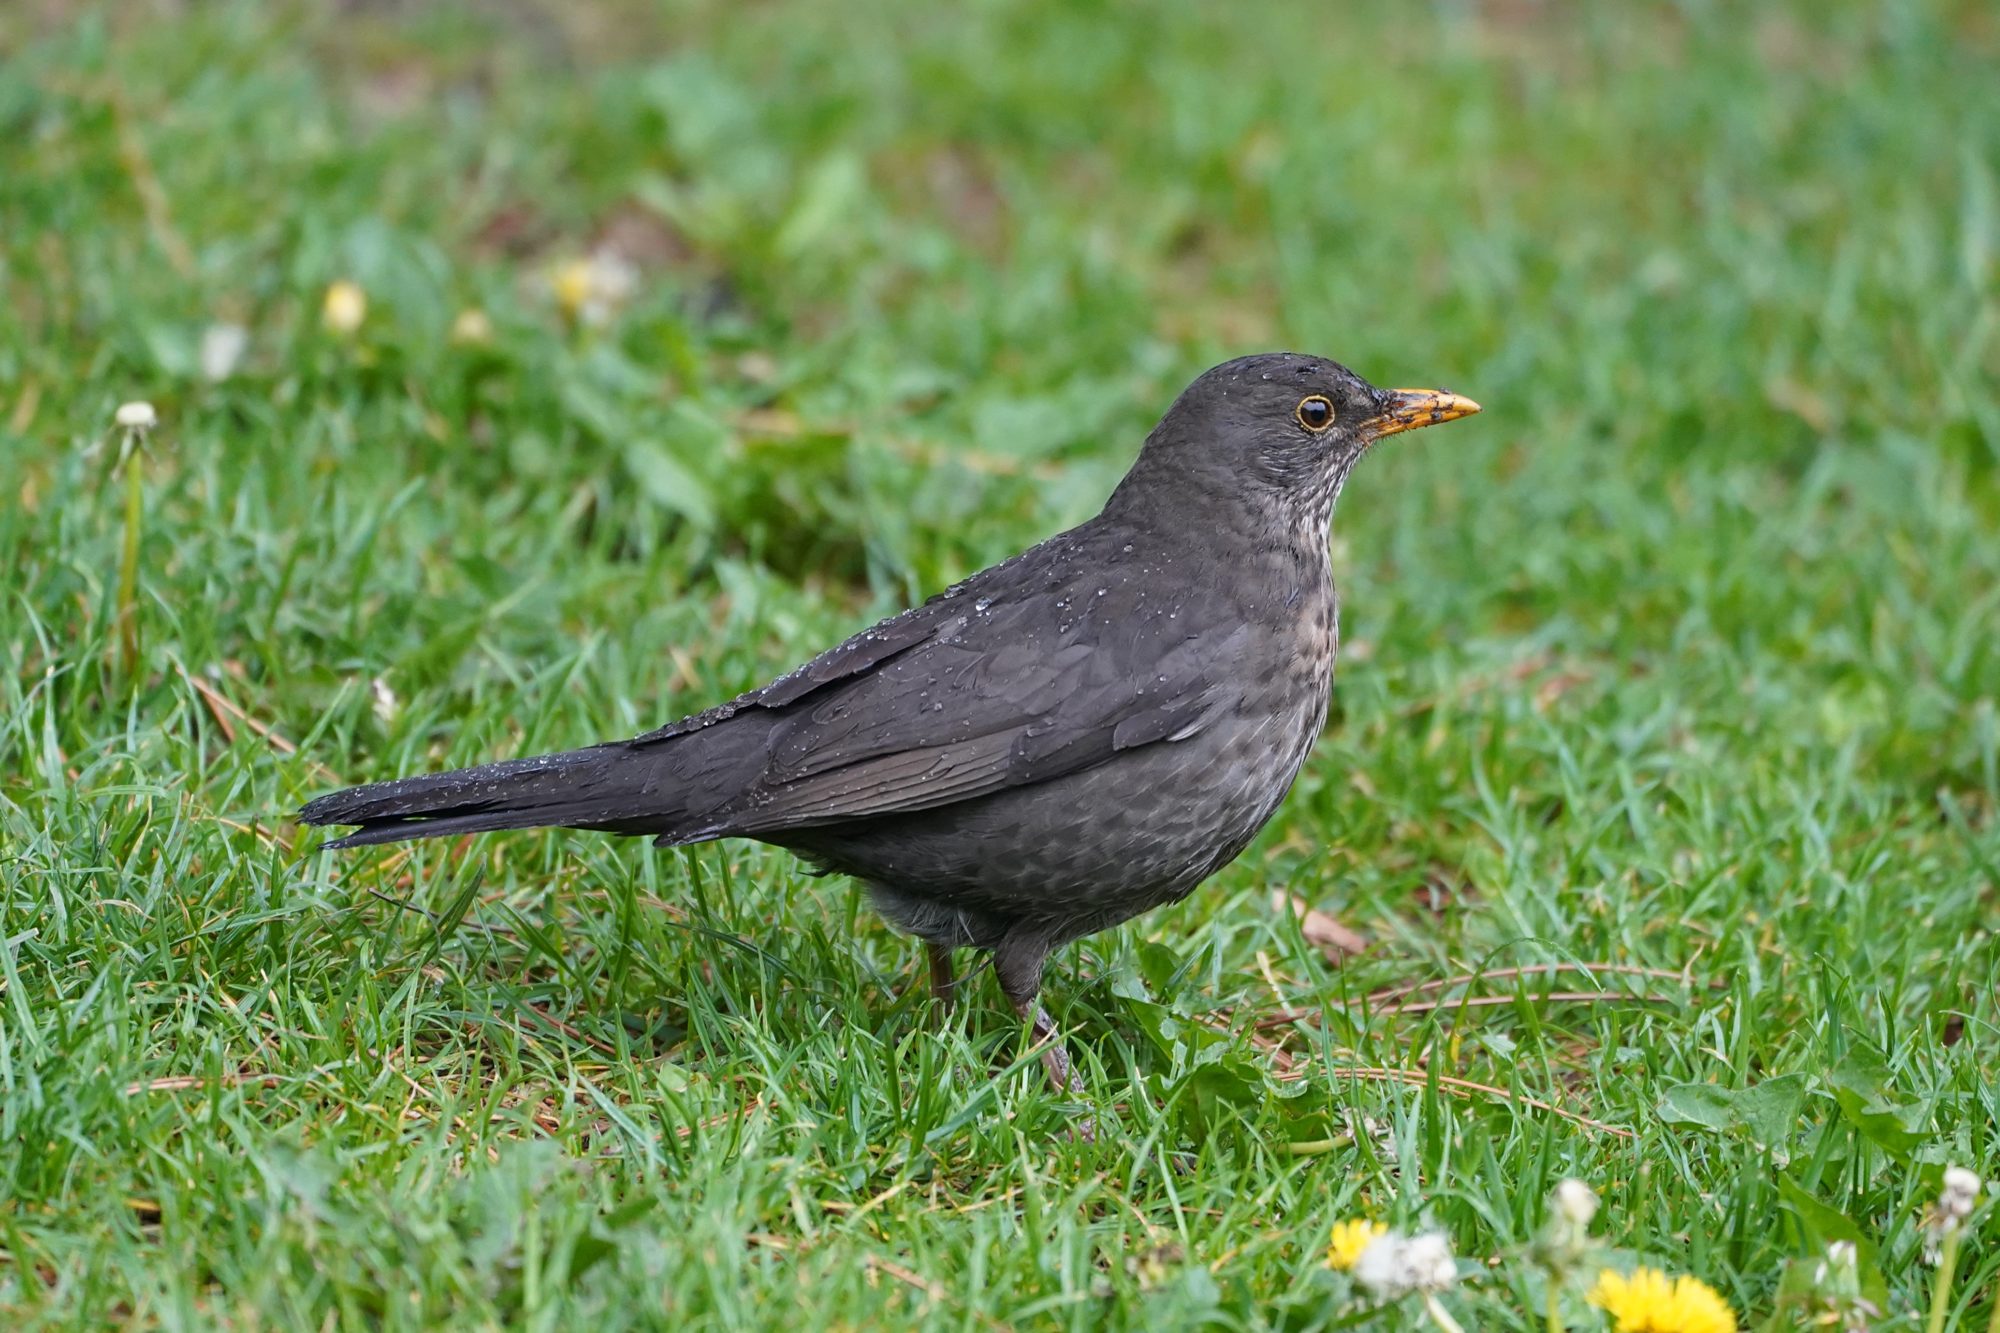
(574, 285)
(1650, 1302)
(1350, 1238)
(344, 307)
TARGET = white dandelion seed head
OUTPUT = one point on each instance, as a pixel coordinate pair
(1955, 1203)
(1575, 1202)
(1395, 1265)
(137, 415)
(1961, 1192)
(1427, 1259)
(1380, 1269)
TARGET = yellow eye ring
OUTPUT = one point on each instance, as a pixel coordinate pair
(1315, 413)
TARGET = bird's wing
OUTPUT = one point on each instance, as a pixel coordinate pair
(997, 692)
(883, 745)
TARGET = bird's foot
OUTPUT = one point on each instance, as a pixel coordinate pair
(1064, 1078)
(1055, 1059)
(1063, 1074)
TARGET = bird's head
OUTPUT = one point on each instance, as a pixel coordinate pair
(1279, 427)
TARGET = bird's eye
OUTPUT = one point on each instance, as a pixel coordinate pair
(1315, 413)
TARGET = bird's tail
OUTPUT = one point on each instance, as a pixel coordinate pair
(613, 788)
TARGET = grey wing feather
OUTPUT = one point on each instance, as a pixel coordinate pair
(966, 715)
(918, 779)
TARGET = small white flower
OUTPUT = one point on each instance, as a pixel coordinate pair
(222, 346)
(383, 700)
(1955, 1203)
(614, 276)
(1961, 1192)
(137, 415)
(1378, 1132)
(1576, 1202)
(591, 290)
(1840, 1260)
(471, 327)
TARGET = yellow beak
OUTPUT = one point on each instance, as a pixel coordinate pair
(1410, 409)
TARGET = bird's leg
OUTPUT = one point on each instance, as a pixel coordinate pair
(1017, 962)
(944, 983)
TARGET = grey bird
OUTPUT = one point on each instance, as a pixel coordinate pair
(1052, 746)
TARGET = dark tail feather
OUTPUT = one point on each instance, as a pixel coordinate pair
(611, 788)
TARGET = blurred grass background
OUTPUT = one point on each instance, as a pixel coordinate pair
(1682, 656)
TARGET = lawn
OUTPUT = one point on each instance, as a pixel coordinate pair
(1663, 776)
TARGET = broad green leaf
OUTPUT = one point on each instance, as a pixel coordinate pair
(1764, 1112)
(1860, 1085)
(1769, 1111)
(1700, 1104)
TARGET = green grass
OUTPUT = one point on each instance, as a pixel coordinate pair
(1685, 655)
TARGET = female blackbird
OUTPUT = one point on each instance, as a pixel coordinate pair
(1052, 746)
